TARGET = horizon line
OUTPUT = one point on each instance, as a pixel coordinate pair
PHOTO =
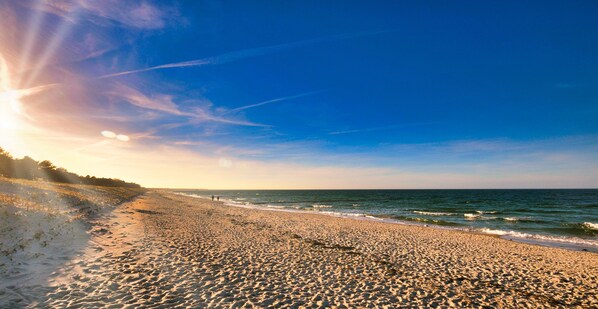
(382, 189)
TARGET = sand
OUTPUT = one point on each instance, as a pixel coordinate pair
(166, 250)
(45, 225)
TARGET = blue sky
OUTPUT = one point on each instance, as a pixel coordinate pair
(485, 93)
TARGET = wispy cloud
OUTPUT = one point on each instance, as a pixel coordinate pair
(247, 53)
(131, 14)
(202, 114)
(281, 99)
(381, 128)
(165, 103)
(159, 102)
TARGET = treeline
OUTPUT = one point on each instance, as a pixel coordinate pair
(27, 168)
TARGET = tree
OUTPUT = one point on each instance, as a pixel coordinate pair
(46, 166)
(27, 168)
(6, 164)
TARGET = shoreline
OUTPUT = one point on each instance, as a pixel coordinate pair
(438, 266)
(531, 239)
(165, 249)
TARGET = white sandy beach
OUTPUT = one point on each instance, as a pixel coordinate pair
(163, 249)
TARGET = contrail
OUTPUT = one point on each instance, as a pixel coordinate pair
(247, 53)
(273, 101)
(192, 63)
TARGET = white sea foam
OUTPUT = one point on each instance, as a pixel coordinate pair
(590, 225)
(343, 214)
(355, 215)
(481, 212)
(515, 219)
(477, 217)
(430, 213)
(542, 238)
(321, 206)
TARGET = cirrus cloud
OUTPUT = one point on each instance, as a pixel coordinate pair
(142, 15)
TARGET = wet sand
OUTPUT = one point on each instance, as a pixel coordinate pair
(163, 249)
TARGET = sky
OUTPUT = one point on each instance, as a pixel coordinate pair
(305, 94)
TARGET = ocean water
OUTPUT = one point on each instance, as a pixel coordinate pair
(563, 217)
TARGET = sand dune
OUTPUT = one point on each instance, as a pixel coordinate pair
(45, 225)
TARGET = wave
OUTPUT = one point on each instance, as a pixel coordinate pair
(545, 238)
(477, 217)
(343, 214)
(523, 219)
(481, 212)
(590, 226)
(580, 229)
(425, 220)
(430, 213)
(321, 206)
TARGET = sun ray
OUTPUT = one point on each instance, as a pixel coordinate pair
(50, 49)
(30, 36)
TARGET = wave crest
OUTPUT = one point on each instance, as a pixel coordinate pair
(481, 212)
(590, 225)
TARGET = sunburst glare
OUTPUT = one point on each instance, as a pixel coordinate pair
(60, 33)
(10, 106)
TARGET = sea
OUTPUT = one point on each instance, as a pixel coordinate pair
(554, 217)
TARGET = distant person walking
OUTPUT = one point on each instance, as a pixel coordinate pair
(212, 197)
(218, 198)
